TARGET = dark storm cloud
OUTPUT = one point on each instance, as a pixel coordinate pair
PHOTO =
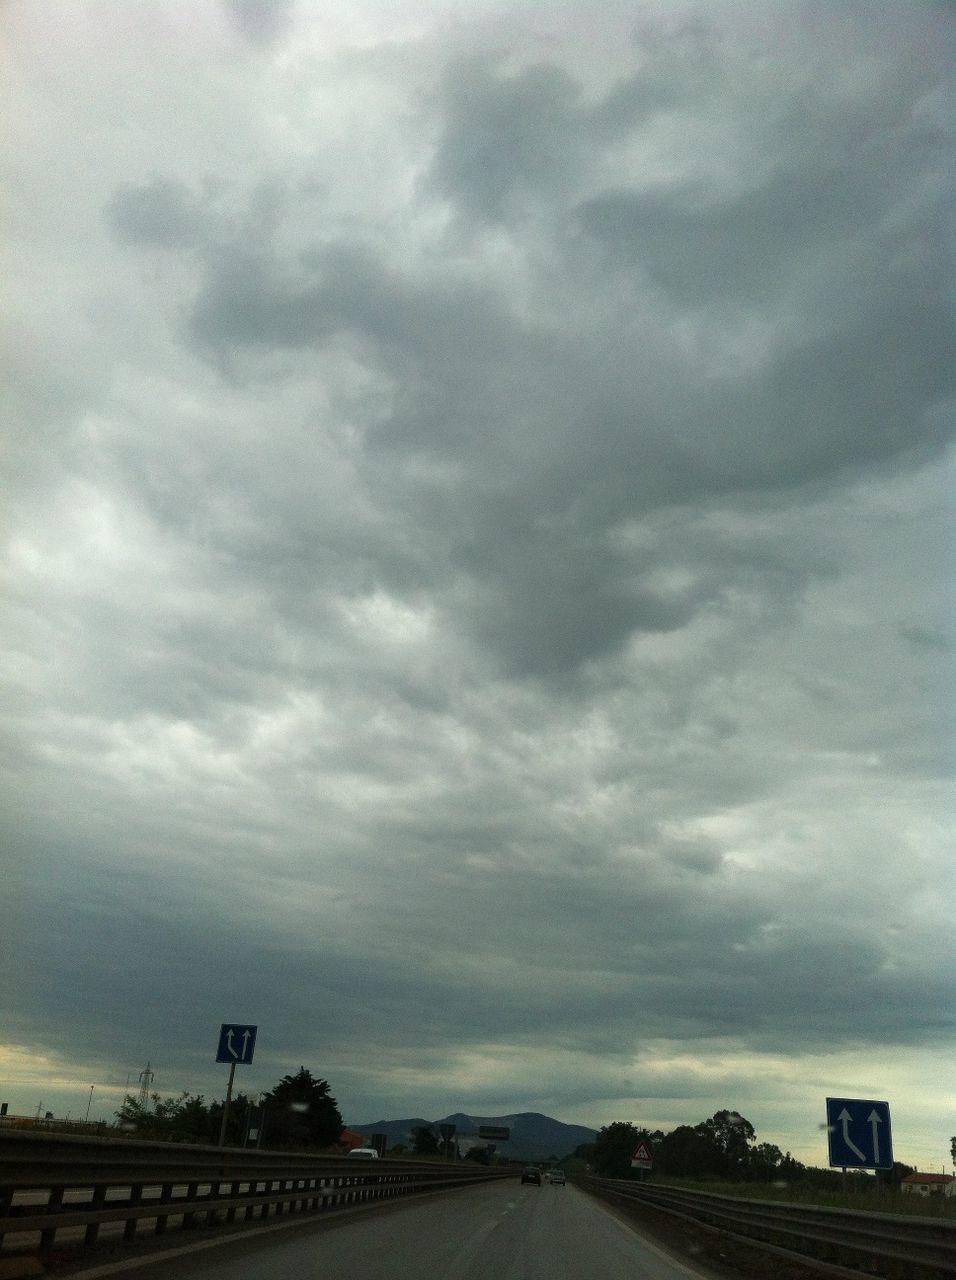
(162, 213)
(927, 638)
(841, 182)
(506, 135)
(675, 953)
(261, 21)
(474, 583)
(481, 390)
(470, 368)
(154, 980)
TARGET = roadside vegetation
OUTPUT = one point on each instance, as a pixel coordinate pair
(299, 1112)
(722, 1155)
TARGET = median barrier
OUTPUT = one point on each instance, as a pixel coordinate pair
(59, 1188)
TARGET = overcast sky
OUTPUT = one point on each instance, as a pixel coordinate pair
(478, 556)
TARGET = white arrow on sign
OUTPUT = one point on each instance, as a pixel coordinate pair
(246, 1037)
(875, 1120)
(845, 1117)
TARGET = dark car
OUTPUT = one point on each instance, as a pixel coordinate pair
(531, 1175)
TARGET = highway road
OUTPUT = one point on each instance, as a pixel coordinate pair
(503, 1229)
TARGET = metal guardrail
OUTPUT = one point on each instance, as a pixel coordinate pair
(834, 1242)
(54, 1184)
(52, 1124)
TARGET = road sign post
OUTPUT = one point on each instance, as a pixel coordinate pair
(641, 1159)
(447, 1132)
(859, 1135)
(237, 1043)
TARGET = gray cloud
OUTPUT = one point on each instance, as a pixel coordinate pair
(161, 213)
(507, 135)
(473, 566)
(261, 21)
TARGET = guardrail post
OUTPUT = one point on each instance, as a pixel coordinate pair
(251, 1208)
(165, 1195)
(211, 1214)
(234, 1195)
(93, 1228)
(6, 1200)
(54, 1201)
(189, 1218)
(135, 1198)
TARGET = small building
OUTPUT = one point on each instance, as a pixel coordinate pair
(929, 1184)
(349, 1140)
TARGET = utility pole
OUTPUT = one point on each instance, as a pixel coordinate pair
(146, 1078)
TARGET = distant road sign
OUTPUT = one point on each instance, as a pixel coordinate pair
(494, 1132)
(641, 1159)
(859, 1134)
(237, 1043)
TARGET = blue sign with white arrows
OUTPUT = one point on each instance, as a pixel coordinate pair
(859, 1134)
(236, 1043)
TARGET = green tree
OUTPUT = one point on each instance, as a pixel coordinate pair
(718, 1147)
(614, 1147)
(424, 1142)
(893, 1177)
(765, 1162)
(137, 1117)
(688, 1152)
(479, 1155)
(236, 1124)
(185, 1118)
(732, 1135)
(301, 1112)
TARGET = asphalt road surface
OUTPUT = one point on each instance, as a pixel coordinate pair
(503, 1229)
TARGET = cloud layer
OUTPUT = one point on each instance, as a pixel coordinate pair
(477, 567)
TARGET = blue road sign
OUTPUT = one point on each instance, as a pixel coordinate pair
(859, 1134)
(237, 1043)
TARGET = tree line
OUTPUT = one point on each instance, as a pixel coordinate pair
(724, 1147)
(426, 1142)
(298, 1112)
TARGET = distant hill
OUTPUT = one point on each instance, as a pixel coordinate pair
(533, 1136)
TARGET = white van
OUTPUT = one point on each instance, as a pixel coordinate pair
(363, 1153)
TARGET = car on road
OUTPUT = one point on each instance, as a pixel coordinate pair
(363, 1153)
(531, 1174)
(556, 1178)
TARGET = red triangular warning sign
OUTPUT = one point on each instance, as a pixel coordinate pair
(642, 1154)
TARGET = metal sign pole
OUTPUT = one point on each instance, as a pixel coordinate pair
(225, 1110)
(237, 1043)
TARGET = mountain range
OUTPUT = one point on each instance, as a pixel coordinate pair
(533, 1136)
